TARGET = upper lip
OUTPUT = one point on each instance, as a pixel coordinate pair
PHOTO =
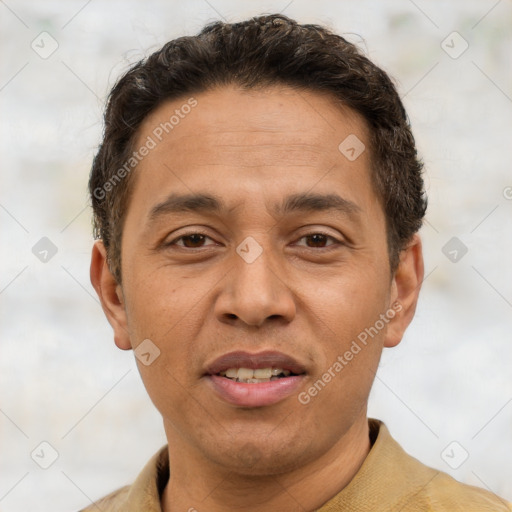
(266, 359)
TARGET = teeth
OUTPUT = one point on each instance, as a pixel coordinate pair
(263, 373)
(245, 373)
(254, 376)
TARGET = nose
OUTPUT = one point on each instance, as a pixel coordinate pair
(255, 292)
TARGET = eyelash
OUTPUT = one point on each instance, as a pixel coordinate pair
(186, 235)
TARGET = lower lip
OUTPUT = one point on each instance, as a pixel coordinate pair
(254, 394)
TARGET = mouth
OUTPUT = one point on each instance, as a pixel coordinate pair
(250, 376)
(254, 380)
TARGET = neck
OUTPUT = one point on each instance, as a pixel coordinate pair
(197, 484)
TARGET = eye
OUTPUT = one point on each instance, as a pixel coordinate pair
(190, 240)
(319, 240)
(196, 240)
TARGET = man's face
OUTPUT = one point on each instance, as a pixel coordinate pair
(254, 276)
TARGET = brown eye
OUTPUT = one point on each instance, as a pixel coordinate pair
(190, 241)
(193, 240)
(318, 240)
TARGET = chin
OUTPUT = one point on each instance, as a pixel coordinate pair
(254, 459)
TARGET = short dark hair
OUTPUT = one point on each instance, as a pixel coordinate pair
(262, 51)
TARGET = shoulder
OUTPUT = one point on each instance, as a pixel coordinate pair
(415, 487)
(144, 494)
(445, 494)
(111, 503)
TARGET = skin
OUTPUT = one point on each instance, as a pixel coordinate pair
(197, 300)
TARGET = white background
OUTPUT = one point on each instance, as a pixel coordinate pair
(61, 378)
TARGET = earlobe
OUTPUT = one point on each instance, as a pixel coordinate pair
(405, 290)
(110, 295)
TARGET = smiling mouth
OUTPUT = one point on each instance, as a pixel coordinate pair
(261, 379)
(255, 376)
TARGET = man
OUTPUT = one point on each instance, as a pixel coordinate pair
(257, 195)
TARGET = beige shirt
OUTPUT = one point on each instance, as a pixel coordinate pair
(389, 480)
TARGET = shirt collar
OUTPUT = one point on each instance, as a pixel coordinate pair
(385, 457)
(388, 479)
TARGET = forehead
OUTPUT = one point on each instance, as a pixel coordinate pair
(286, 123)
(234, 141)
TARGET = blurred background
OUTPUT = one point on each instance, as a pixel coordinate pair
(445, 392)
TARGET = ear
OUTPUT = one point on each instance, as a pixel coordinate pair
(110, 294)
(405, 289)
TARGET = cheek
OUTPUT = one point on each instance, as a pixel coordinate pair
(157, 303)
(349, 301)
(350, 351)
(350, 312)
(169, 312)
(158, 313)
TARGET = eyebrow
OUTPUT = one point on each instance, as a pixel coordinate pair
(211, 204)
